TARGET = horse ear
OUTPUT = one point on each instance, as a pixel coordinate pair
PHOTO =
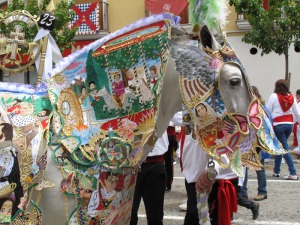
(206, 37)
(208, 40)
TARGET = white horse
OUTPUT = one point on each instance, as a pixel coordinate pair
(110, 104)
(233, 88)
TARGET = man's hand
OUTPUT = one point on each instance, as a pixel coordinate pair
(203, 184)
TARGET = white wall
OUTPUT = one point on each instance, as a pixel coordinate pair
(264, 71)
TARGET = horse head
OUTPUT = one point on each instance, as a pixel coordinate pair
(102, 92)
(233, 83)
(226, 117)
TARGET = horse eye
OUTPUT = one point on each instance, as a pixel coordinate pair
(235, 81)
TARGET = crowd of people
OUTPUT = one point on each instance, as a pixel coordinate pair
(227, 191)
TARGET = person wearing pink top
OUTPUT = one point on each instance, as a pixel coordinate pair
(118, 88)
(284, 110)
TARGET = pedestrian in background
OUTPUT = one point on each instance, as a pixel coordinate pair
(261, 174)
(244, 201)
(296, 128)
(168, 156)
(151, 182)
(151, 185)
(283, 107)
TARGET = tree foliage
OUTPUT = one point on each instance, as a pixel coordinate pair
(61, 33)
(96, 73)
(274, 29)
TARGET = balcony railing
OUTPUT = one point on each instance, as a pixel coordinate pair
(91, 20)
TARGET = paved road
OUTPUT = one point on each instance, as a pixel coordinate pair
(281, 208)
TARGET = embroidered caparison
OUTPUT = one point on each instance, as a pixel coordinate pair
(23, 149)
(105, 99)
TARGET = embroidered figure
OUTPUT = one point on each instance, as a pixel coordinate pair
(103, 200)
(24, 202)
(6, 210)
(44, 117)
(118, 87)
(205, 114)
(153, 76)
(143, 87)
(86, 106)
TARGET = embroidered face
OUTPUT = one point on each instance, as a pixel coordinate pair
(206, 115)
(5, 157)
(201, 110)
(85, 193)
(153, 71)
(26, 109)
(6, 208)
(85, 196)
(111, 183)
(44, 112)
(117, 77)
(83, 91)
(127, 181)
(92, 86)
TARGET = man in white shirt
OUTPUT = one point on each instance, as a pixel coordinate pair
(151, 184)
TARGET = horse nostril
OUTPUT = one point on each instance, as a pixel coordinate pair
(235, 81)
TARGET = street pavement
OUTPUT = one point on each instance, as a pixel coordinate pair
(281, 208)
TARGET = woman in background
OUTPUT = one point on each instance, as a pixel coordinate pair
(261, 174)
(283, 106)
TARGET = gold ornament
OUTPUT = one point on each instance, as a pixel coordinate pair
(16, 53)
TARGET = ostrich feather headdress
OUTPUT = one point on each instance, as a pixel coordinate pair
(212, 13)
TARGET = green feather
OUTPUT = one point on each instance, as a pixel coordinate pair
(212, 13)
(236, 163)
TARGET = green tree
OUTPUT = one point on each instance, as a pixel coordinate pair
(96, 73)
(61, 33)
(274, 29)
